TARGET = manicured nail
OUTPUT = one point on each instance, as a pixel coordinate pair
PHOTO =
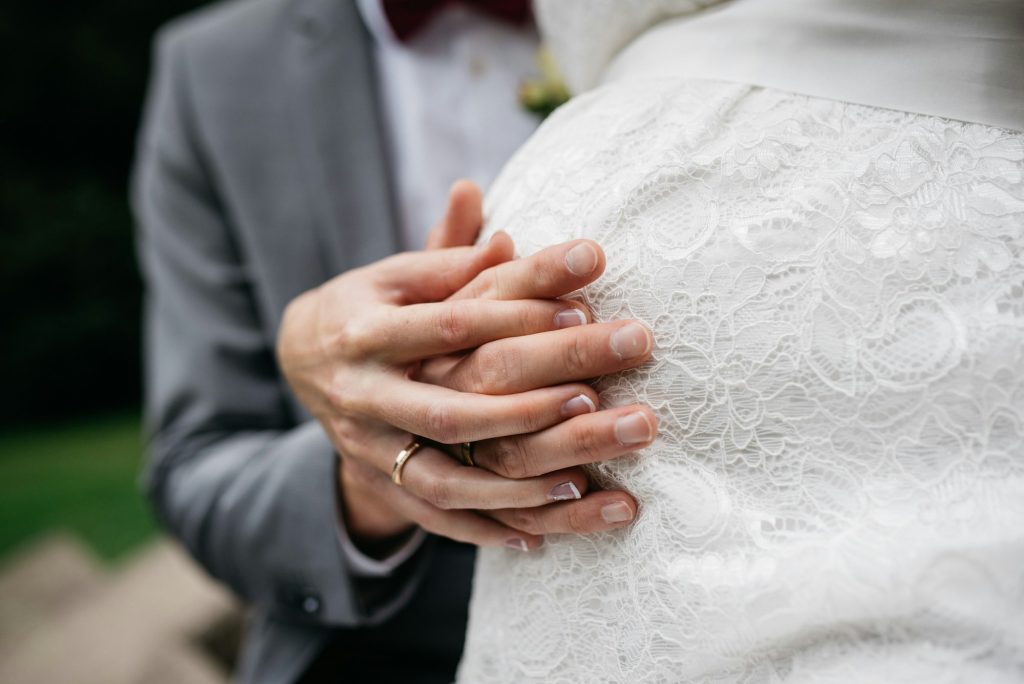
(517, 544)
(564, 492)
(577, 406)
(581, 260)
(634, 428)
(631, 341)
(617, 512)
(568, 318)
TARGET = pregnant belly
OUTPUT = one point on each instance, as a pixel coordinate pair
(837, 296)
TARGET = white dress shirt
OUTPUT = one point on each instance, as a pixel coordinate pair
(451, 109)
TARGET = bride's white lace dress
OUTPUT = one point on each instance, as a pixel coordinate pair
(837, 294)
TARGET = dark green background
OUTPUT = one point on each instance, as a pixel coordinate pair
(73, 76)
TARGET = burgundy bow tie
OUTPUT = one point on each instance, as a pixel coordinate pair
(408, 17)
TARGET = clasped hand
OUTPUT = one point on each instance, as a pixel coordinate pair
(465, 344)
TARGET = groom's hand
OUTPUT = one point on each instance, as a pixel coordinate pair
(349, 348)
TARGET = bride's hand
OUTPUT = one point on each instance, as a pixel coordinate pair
(554, 358)
(523, 363)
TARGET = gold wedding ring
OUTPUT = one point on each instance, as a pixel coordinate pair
(466, 450)
(403, 456)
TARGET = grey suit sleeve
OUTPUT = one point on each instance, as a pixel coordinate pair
(246, 484)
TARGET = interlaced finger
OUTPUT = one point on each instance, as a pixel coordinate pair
(550, 358)
(597, 512)
(433, 275)
(435, 477)
(588, 438)
(465, 526)
(417, 331)
(449, 416)
(552, 272)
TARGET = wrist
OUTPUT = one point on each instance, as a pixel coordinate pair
(371, 523)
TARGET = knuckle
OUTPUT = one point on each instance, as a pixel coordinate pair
(576, 520)
(441, 424)
(551, 267)
(512, 459)
(577, 355)
(474, 289)
(347, 433)
(439, 493)
(484, 285)
(525, 520)
(497, 283)
(494, 368)
(340, 395)
(337, 397)
(355, 338)
(454, 327)
(534, 415)
(346, 396)
(584, 442)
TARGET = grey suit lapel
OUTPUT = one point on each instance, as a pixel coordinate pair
(337, 131)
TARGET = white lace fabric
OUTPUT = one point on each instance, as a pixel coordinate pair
(837, 489)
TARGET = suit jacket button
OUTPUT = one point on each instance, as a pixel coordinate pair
(311, 605)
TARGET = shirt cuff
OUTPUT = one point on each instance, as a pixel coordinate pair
(362, 565)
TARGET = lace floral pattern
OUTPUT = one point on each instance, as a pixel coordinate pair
(837, 490)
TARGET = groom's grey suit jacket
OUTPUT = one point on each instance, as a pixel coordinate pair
(261, 173)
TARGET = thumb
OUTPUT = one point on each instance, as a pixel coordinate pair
(462, 219)
(432, 276)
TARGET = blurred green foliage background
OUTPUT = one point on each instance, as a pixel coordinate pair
(73, 76)
(79, 477)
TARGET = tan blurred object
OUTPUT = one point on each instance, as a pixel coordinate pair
(155, 617)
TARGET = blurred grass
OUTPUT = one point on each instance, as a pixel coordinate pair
(79, 476)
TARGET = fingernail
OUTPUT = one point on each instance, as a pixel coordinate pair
(517, 544)
(581, 260)
(617, 512)
(564, 492)
(630, 341)
(577, 406)
(568, 318)
(634, 428)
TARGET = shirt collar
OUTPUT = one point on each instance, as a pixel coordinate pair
(376, 22)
